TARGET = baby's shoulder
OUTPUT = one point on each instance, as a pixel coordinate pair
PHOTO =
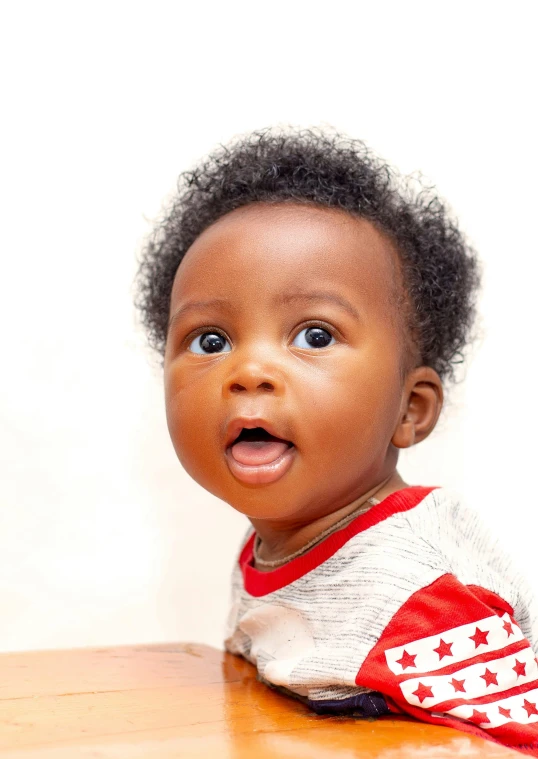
(444, 517)
(437, 517)
(438, 534)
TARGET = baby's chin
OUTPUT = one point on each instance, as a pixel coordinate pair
(297, 495)
(288, 506)
(261, 506)
(266, 491)
(266, 502)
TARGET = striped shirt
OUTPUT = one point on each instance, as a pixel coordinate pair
(412, 607)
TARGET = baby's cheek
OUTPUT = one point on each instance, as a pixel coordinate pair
(193, 423)
(357, 415)
(187, 423)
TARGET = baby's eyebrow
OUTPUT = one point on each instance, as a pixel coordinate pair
(197, 305)
(280, 299)
(317, 295)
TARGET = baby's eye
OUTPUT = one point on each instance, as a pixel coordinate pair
(209, 342)
(314, 337)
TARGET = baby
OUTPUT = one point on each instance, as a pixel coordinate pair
(309, 309)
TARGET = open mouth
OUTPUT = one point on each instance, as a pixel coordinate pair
(254, 447)
(257, 457)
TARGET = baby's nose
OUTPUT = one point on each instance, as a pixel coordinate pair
(237, 387)
(254, 377)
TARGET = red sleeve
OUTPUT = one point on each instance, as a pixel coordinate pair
(454, 655)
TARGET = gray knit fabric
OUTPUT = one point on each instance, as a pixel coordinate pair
(313, 635)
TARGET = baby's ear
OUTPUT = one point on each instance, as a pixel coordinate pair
(422, 401)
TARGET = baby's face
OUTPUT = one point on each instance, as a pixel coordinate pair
(276, 346)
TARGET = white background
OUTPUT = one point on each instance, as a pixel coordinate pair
(103, 538)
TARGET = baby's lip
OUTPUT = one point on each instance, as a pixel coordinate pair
(243, 422)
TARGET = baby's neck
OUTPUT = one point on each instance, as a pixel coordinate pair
(281, 541)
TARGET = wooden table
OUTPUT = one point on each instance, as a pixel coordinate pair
(183, 700)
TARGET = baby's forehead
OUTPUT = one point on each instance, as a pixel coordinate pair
(289, 247)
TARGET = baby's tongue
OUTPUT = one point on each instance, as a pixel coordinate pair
(256, 452)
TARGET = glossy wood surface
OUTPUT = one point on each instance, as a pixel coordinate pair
(182, 700)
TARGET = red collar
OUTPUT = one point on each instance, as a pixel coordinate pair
(260, 583)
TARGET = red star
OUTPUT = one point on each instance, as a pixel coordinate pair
(444, 649)
(509, 629)
(407, 660)
(519, 669)
(479, 717)
(423, 691)
(458, 685)
(529, 707)
(505, 712)
(490, 677)
(480, 637)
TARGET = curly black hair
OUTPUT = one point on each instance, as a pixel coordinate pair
(322, 167)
